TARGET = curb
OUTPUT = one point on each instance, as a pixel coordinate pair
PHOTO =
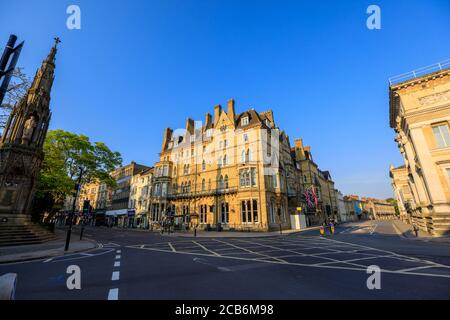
(46, 256)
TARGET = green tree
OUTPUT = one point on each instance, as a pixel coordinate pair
(64, 154)
(395, 204)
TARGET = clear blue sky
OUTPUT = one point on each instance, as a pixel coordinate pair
(136, 67)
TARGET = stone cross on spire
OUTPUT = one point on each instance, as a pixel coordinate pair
(57, 40)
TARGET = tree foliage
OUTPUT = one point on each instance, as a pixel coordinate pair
(65, 154)
(395, 204)
(17, 88)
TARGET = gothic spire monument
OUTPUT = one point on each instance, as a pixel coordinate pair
(21, 145)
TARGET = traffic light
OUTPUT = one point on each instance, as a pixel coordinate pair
(86, 206)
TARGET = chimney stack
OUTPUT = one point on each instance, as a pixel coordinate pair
(208, 121)
(167, 137)
(231, 113)
(217, 112)
(190, 126)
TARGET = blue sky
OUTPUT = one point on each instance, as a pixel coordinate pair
(136, 67)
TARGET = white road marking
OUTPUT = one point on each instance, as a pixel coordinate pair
(206, 249)
(310, 255)
(373, 230)
(118, 251)
(398, 231)
(417, 268)
(171, 247)
(302, 244)
(299, 264)
(112, 244)
(77, 256)
(252, 252)
(117, 264)
(113, 294)
(118, 257)
(115, 276)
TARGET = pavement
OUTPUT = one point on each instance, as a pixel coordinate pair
(406, 231)
(130, 265)
(45, 250)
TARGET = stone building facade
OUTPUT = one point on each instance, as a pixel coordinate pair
(345, 208)
(319, 182)
(237, 171)
(402, 191)
(140, 197)
(378, 209)
(420, 115)
(96, 193)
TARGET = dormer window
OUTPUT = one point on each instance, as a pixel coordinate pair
(244, 121)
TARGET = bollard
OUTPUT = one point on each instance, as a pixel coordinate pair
(322, 231)
(8, 284)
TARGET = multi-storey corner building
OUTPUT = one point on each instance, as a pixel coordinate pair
(118, 200)
(140, 197)
(315, 181)
(236, 171)
(420, 115)
(96, 193)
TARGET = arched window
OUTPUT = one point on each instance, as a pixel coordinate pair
(247, 156)
(175, 171)
(189, 187)
(203, 185)
(204, 165)
(225, 160)
(243, 156)
(221, 185)
(226, 181)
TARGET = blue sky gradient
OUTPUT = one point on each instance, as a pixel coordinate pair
(137, 67)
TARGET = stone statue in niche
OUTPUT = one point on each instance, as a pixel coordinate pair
(28, 129)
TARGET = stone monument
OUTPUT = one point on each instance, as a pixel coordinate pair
(21, 144)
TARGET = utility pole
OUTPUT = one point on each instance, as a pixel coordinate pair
(77, 190)
(5, 69)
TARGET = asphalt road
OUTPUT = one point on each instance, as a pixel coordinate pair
(142, 265)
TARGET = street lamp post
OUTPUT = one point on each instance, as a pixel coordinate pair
(10, 54)
(77, 189)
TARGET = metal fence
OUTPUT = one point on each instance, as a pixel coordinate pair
(419, 72)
